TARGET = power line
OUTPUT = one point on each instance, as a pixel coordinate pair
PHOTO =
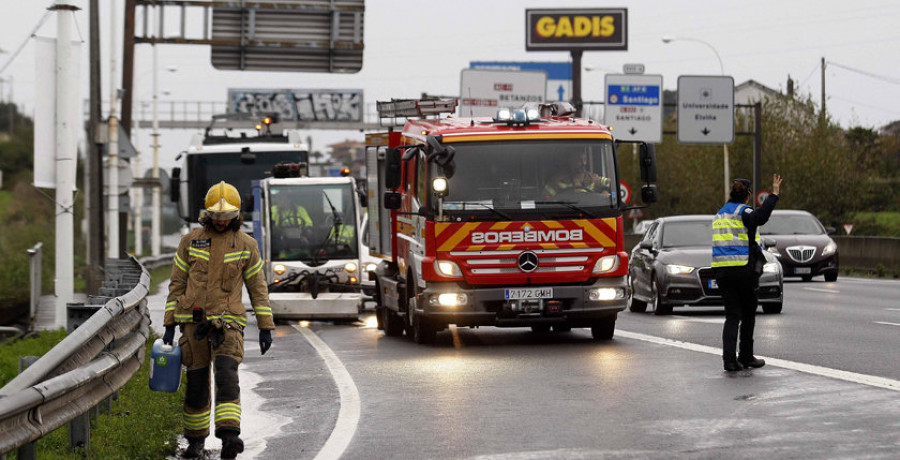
(891, 80)
(25, 42)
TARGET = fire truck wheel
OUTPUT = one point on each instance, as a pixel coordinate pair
(393, 324)
(423, 332)
(604, 329)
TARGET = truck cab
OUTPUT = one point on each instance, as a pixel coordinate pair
(308, 234)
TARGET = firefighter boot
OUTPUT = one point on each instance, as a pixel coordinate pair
(195, 447)
(231, 445)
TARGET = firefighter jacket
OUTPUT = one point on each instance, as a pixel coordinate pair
(209, 271)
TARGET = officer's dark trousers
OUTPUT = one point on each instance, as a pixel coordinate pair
(738, 287)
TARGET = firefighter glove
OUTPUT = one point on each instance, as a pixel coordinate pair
(265, 340)
(169, 336)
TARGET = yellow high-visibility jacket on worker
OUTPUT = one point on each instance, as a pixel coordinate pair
(209, 271)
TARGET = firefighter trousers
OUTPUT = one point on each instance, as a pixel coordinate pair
(199, 356)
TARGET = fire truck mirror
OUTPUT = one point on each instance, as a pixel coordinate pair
(391, 200)
(648, 193)
(363, 199)
(247, 203)
(648, 163)
(392, 169)
(175, 185)
(247, 157)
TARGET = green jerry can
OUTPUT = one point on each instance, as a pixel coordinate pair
(165, 367)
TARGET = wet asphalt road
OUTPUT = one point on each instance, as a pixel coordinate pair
(513, 394)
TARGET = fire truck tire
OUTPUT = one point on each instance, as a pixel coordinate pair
(393, 323)
(540, 329)
(562, 328)
(604, 329)
(423, 332)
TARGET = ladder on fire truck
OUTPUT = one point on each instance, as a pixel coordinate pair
(415, 108)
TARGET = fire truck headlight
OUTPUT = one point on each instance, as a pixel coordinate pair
(370, 267)
(606, 294)
(279, 269)
(350, 267)
(441, 186)
(448, 300)
(606, 264)
(447, 268)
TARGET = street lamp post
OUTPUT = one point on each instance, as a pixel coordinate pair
(668, 40)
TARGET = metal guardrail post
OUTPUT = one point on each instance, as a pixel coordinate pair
(80, 431)
(34, 269)
(27, 451)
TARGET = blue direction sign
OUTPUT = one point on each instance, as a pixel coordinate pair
(634, 107)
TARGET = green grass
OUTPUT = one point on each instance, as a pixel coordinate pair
(5, 198)
(143, 424)
(157, 275)
(37, 345)
(885, 224)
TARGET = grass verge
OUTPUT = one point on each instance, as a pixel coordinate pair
(143, 424)
(157, 275)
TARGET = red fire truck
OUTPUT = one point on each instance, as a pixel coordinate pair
(507, 221)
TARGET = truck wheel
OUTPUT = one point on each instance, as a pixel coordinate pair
(540, 329)
(423, 332)
(393, 323)
(561, 328)
(604, 329)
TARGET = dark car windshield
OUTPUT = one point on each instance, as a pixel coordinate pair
(687, 233)
(792, 225)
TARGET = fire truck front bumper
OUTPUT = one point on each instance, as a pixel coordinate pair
(573, 305)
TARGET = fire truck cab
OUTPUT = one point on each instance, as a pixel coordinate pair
(511, 221)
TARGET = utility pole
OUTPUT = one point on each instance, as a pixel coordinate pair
(112, 197)
(823, 88)
(66, 151)
(95, 245)
(156, 205)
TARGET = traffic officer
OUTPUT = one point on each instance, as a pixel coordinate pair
(735, 258)
(578, 177)
(211, 266)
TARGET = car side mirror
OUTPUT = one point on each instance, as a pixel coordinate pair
(830, 230)
(646, 244)
(175, 185)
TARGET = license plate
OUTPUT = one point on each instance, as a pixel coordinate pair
(712, 284)
(802, 270)
(529, 293)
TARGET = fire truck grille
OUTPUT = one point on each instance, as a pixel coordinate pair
(801, 254)
(518, 261)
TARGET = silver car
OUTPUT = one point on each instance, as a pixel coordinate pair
(670, 267)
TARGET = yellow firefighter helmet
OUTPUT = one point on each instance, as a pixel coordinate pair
(223, 201)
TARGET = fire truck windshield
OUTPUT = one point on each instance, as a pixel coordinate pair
(528, 177)
(312, 222)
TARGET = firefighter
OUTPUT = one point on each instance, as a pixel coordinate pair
(211, 266)
(576, 176)
(737, 261)
(285, 214)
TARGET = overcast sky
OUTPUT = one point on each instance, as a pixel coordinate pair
(416, 46)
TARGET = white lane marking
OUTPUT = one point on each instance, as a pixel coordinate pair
(348, 416)
(830, 291)
(852, 377)
(892, 309)
(886, 323)
(699, 320)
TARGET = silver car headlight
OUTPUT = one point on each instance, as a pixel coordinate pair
(771, 267)
(679, 269)
(829, 249)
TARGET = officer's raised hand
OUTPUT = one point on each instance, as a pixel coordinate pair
(776, 184)
(265, 340)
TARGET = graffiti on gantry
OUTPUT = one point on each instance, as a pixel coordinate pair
(299, 104)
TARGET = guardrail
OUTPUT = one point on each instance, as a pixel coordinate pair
(91, 364)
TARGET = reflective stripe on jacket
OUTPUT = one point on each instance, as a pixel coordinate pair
(731, 242)
(209, 272)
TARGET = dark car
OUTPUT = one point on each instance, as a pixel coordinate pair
(670, 267)
(802, 244)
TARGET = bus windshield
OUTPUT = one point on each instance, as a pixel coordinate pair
(313, 223)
